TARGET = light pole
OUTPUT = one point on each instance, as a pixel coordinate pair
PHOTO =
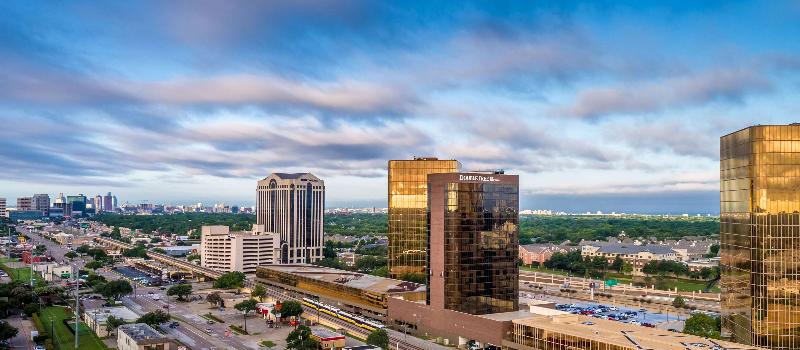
(77, 307)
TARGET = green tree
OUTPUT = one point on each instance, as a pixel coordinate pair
(113, 322)
(137, 252)
(96, 253)
(154, 318)
(618, 264)
(233, 279)
(94, 265)
(95, 279)
(7, 331)
(245, 307)
(413, 277)
(678, 302)
(259, 292)
(214, 299)
(713, 251)
(702, 325)
(180, 290)
(300, 339)
(82, 249)
(379, 338)
(70, 255)
(116, 289)
(191, 257)
(291, 308)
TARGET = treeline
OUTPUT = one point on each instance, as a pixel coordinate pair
(356, 224)
(179, 224)
(557, 229)
(596, 267)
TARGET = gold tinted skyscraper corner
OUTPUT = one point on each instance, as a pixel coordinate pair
(760, 235)
(408, 201)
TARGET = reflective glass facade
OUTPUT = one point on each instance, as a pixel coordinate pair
(760, 235)
(473, 242)
(408, 200)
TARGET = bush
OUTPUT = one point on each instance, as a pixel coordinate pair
(238, 330)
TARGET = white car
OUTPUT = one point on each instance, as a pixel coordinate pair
(39, 347)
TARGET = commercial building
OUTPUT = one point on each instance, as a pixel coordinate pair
(759, 219)
(292, 207)
(408, 203)
(75, 205)
(24, 203)
(108, 202)
(21, 215)
(3, 208)
(97, 204)
(635, 255)
(539, 253)
(40, 202)
(348, 290)
(473, 242)
(96, 318)
(223, 250)
(328, 340)
(140, 336)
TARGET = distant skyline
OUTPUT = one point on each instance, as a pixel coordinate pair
(597, 105)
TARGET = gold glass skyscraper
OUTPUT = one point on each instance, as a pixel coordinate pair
(408, 202)
(760, 235)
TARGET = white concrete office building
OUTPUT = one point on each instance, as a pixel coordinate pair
(225, 251)
(291, 206)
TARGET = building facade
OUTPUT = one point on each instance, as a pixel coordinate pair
(408, 201)
(24, 203)
(636, 255)
(292, 207)
(3, 207)
(473, 242)
(760, 235)
(108, 202)
(539, 253)
(40, 202)
(140, 336)
(226, 251)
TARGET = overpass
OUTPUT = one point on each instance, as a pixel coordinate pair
(197, 270)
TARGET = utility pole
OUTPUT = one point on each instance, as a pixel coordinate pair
(77, 306)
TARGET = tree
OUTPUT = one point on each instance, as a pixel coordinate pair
(259, 292)
(618, 264)
(95, 279)
(83, 249)
(113, 322)
(180, 290)
(214, 299)
(678, 302)
(191, 257)
(300, 339)
(115, 234)
(379, 338)
(40, 249)
(154, 318)
(70, 255)
(291, 308)
(139, 251)
(96, 253)
(245, 307)
(7, 331)
(155, 240)
(116, 289)
(702, 325)
(234, 279)
(413, 277)
(94, 265)
(713, 251)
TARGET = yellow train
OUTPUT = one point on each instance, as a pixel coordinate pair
(356, 320)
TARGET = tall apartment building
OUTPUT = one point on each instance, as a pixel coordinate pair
(3, 207)
(24, 203)
(408, 202)
(291, 206)
(108, 202)
(41, 202)
(760, 235)
(473, 242)
(226, 251)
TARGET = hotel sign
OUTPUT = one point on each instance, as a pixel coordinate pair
(477, 178)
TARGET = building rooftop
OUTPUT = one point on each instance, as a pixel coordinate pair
(103, 313)
(325, 334)
(635, 249)
(625, 335)
(348, 278)
(141, 333)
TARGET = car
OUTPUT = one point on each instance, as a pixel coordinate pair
(150, 292)
(208, 330)
(210, 322)
(39, 347)
(162, 288)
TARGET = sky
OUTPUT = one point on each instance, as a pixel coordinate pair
(613, 106)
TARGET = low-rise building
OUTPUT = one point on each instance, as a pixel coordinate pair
(225, 251)
(636, 255)
(539, 253)
(96, 319)
(699, 264)
(139, 336)
(328, 340)
(53, 271)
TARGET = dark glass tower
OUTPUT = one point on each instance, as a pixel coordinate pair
(473, 242)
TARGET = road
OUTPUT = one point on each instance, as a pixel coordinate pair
(23, 338)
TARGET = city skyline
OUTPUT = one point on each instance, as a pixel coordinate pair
(612, 107)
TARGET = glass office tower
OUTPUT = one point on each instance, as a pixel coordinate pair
(760, 235)
(408, 200)
(473, 242)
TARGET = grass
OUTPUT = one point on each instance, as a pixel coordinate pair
(237, 330)
(64, 337)
(544, 270)
(213, 318)
(267, 344)
(684, 285)
(5, 260)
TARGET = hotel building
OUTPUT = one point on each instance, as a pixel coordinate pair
(408, 201)
(473, 240)
(292, 206)
(226, 251)
(760, 235)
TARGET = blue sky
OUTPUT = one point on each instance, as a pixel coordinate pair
(597, 105)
